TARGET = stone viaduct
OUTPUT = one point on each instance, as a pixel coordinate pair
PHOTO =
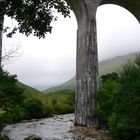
(87, 56)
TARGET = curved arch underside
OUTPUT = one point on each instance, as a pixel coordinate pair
(131, 5)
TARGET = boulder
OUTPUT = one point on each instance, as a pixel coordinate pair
(4, 137)
(33, 137)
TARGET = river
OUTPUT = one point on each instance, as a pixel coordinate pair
(54, 128)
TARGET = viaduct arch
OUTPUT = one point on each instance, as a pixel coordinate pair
(87, 56)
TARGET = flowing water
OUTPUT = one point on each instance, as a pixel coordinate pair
(55, 128)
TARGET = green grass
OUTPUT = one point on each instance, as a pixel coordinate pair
(30, 93)
(70, 84)
(60, 96)
(59, 102)
(115, 64)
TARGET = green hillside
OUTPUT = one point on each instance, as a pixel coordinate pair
(114, 64)
(106, 66)
(59, 102)
(67, 85)
(30, 92)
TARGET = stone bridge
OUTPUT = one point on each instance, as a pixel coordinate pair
(87, 56)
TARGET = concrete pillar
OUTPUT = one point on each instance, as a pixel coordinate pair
(1, 35)
(87, 64)
(87, 58)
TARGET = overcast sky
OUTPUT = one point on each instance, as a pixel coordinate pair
(52, 61)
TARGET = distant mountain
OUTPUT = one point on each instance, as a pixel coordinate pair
(115, 64)
(106, 66)
(70, 84)
(40, 87)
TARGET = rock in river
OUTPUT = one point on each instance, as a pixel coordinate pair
(33, 137)
(4, 137)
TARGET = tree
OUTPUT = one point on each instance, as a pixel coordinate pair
(9, 54)
(35, 109)
(124, 121)
(33, 16)
(10, 93)
(110, 76)
(119, 102)
(105, 104)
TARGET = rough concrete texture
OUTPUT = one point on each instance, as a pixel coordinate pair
(87, 58)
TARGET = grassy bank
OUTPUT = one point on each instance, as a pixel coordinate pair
(60, 102)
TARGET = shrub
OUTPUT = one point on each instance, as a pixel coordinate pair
(10, 99)
(35, 109)
(2, 123)
(126, 125)
(5, 118)
(104, 97)
(10, 94)
(61, 102)
(63, 108)
(110, 76)
(17, 114)
(119, 103)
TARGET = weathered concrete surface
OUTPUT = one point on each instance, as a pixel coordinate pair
(1, 34)
(87, 56)
(87, 63)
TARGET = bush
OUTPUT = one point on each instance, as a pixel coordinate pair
(119, 103)
(110, 76)
(61, 102)
(62, 108)
(5, 118)
(10, 99)
(10, 94)
(104, 97)
(17, 114)
(127, 104)
(35, 109)
(2, 123)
